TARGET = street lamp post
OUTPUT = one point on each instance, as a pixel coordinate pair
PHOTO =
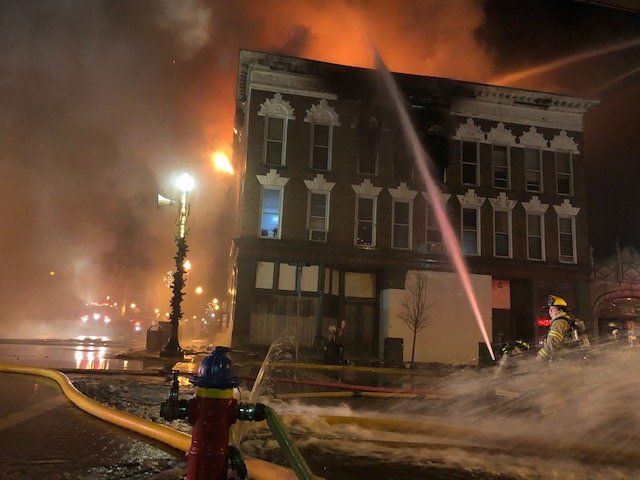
(172, 349)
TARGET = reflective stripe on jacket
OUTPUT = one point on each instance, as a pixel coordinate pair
(560, 329)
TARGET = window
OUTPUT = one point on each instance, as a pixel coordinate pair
(365, 221)
(566, 239)
(321, 136)
(275, 140)
(318, 219)
(288, 277)
(470, 163)
(435, 141)
(470, 231)
(500, 155)
(360, 285)
(533, 170)
(564, 173)
(502, 233)
(535, 236)
(368, 147)
(264, 274)
(270, 217)
(401, 224)
(434, 233)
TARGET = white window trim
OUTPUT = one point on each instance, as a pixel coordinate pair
(493, 166)
(329, 146)
(540, 169)
(471, 200)
(322, 114)
(373, 222)
(535, 207)
(366, 190)
(410, 225)
(509, 233)
(445, 200)
(402, 194)
(462, 230)
(477, 164)
(327, 196)
(276, 107)
(283, 155)
(571, 174)
(319, 185)
(273, 181)
(279, 235)
(540, 217)
(566, 210)
(503, 204)
(573, 239)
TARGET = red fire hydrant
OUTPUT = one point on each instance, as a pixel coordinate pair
(211, 411)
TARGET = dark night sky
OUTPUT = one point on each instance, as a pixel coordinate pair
(101, 102)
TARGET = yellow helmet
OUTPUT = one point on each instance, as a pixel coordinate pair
(556, 301)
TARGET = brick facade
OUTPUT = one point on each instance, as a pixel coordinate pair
(436, 106)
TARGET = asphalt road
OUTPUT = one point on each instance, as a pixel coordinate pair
(43, 435)
(60, 354)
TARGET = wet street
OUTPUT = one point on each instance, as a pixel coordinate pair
(463, 424)
(43, 435)
(58, 354)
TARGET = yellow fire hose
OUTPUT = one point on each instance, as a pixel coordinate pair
(258, 469)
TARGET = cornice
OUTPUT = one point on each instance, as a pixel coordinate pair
(539, 100)
(276, 107)
(272, 179)
(262, 78)
(366, 188)
(471, 199)
(322, 112)
(319, 184)
(403, 192)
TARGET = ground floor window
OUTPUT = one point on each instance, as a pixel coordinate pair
(283, 317)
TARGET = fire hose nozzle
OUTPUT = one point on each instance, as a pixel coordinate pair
(252, 412)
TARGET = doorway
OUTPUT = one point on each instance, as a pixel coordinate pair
(360, 332)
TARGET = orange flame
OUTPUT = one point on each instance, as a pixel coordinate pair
(221, 162)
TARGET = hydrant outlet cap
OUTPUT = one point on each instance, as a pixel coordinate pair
(216, 371)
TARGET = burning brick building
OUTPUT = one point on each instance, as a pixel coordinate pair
(334, 214)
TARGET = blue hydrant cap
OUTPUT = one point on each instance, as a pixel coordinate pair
(216, 371)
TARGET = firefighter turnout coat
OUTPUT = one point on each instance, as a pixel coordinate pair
(561, 337)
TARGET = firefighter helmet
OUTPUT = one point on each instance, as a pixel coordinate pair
(556, 301)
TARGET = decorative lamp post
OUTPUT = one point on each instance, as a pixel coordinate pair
(185, 184)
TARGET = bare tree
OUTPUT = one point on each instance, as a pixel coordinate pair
(415, 306)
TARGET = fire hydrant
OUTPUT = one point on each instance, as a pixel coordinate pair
(211, 411)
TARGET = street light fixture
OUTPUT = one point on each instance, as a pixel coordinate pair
(185, 184)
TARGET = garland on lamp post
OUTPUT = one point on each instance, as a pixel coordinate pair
(172, 349)
(177, 289)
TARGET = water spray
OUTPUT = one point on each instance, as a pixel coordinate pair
(550, 66)
(422, 158)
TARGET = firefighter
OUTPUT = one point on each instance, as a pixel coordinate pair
(565, 333)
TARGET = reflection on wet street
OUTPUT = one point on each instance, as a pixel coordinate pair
(67, 355)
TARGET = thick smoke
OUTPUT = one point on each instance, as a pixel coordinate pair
(103, 102)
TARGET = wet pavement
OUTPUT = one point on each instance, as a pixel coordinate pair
(510, 439)
(43, 435)
(69, 354)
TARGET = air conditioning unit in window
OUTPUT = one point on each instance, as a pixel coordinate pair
(318, 235)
